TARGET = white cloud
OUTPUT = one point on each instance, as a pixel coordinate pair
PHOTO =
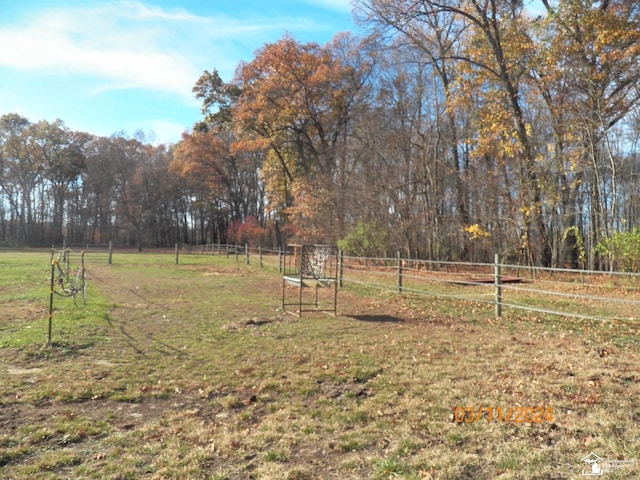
(127, 44)
(122, 43)
(112, 65)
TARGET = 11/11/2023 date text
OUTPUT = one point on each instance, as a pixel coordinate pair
(515, 414)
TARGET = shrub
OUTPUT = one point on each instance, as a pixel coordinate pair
(622, 250)
(365, 240)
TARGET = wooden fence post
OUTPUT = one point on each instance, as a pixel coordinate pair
(497, 269)
(399, 273)
(340, 267)
(176, 254)
(110, 253)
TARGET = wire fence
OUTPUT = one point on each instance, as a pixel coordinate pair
(584, 294)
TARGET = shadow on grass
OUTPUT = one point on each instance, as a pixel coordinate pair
(376, 318)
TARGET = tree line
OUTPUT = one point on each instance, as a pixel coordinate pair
(59, 185)
(451, 130)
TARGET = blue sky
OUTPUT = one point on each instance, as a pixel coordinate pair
(126, 65)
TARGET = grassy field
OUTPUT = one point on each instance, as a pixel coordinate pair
(192, 371)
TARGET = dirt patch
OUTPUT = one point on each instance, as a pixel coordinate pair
(119, 414)
(22, 311)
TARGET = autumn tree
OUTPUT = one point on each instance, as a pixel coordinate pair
(19, 175)
(228, 177)
(402, 170)
(128, 157)
(596, 44)
(159, 192)
(40, 168)
(296, 103)
(490, 59)
(99, 179)
(437, 38)
(60, 152)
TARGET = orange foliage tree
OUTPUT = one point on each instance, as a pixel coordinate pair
(297, 101)
(228, 177)
(588, 74)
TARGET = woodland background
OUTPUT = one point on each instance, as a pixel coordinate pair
(452, 130)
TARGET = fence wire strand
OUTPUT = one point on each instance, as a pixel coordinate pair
(442, 278)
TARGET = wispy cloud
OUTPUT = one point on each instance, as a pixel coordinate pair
(127, 44)
(112, 65)
(121, 43)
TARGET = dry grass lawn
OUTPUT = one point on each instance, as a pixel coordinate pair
(193, 372)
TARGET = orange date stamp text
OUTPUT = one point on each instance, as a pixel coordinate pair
(514, 414)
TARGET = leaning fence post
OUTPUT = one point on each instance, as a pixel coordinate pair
(497, 269)
(399, 273)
